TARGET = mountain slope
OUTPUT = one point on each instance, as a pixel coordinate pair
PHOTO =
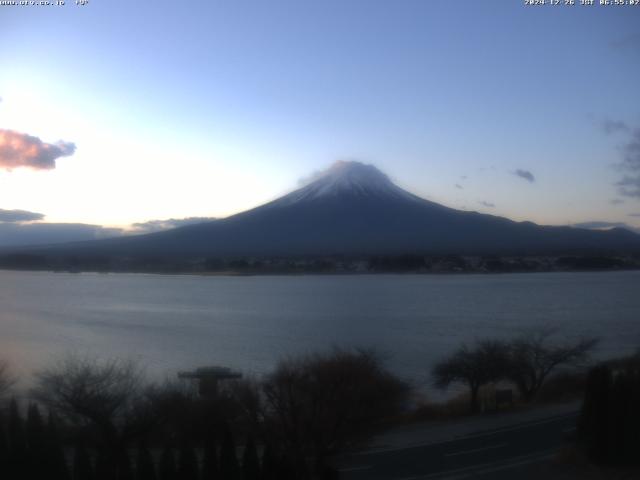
(355, 209)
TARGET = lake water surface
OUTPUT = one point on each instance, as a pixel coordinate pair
(179, 322)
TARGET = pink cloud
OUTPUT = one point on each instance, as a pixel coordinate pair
(19, 150)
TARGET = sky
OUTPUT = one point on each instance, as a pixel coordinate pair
(120, 112)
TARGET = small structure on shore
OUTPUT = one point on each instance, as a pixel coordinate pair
(208, 378)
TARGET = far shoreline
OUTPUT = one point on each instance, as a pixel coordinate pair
(235, 274)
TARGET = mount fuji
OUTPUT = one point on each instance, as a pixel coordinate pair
(354, 209)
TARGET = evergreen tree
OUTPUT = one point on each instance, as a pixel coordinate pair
(287, 469)
(17, 438)
(37, 444)
(593, 426)
(624, 436)
(632, 441)
(18, 459)
(250, 462)
(167, 470)
(187, 463)
(56, 463)
(82, 467)
(125, 472)
(35, 428)
(269, 463)
(105, 466)
(210, 468)
(617, 419)
(4, 444)
(229, 468)
(145, 468)
(609, 424)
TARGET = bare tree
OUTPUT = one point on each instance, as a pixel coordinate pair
(7, 380)
(320, 404)
(533, 356)
(106, 396)
(181, 412)
(246, 398)
(475, 366)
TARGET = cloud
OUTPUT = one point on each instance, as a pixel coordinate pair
(22, 150)
(458, 186)
(614, 126)
(629, 184)
(631, 151)
(487, 204)
(600, 225)
(306, 180)
(12, 216)
(158, 225)
(634, 215)
(526, 174)
(616, 201)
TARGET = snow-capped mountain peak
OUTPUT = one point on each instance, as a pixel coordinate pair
(347, 178)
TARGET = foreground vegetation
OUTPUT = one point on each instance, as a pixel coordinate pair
(106, 422)
(609, 427)
(525, 362)
(91, 419)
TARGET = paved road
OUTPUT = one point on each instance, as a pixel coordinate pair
(493, 454)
